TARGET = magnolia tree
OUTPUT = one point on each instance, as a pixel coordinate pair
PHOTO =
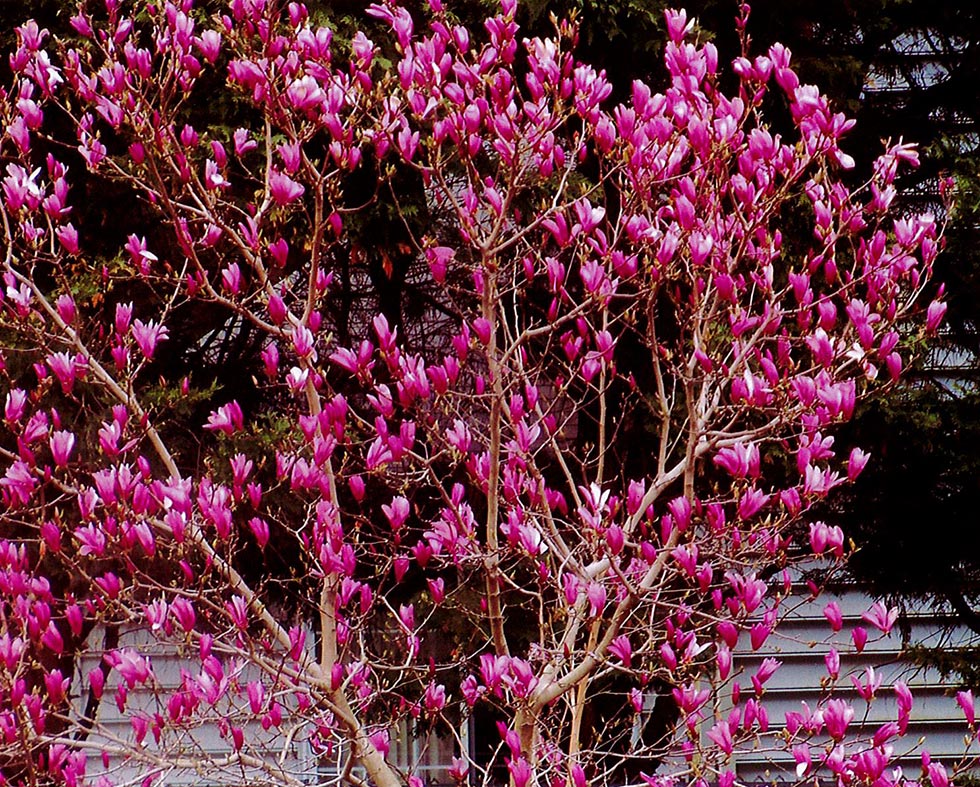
(569, 469)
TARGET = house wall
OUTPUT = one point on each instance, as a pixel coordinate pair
(799, 643)
(937, 723)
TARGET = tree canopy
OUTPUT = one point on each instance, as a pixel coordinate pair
(425, 375)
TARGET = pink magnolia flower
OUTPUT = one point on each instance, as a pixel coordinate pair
(346, 359)
(867, 688)
(934, 316)
(243, 143)
(759, 633)
(62, 443)
(65, 305)
(183, 610)
(357, 487)
(14, 405)
(753, 501)
(520, 771)
(822, 347)
(483, 330)
(148, 335)
(397, 512)
(227, 419)
(938, 777)
(439, 258)
(837, 716)
(270, 360)
(52, 639)
(56, 686)
(305, 94)
(256, 696)
(459, 770)
(110, 584)
(19, 481)
(819, 481)
(678, 26)
(904, 700)
(966, 703)
(856, 463)
(284, 189)
(721, 735)
(237, 609)
(156, 614)
(132, 667)
(434, 699)
(615, 539)
(398, 18)
(681, 509)
(406, 614)
(51, 535)
(437, 589)
(214, 179)
(277, 309)
(379, 740)
(622, 650)
(67, 236)
(65, 368)
(766, 670)
(832, 662)
(123, 317)
(209, 45)
(740, 460)
(690, 698)
(825, 537)
(881, 617)
(297, 379)
(834, 617)
(304, 342)
(260, 529)
(378, 454)
(596, 595)
(279, 251)
(231, 279)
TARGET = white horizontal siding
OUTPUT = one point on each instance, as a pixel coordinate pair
(800, 642)
(194, 753)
